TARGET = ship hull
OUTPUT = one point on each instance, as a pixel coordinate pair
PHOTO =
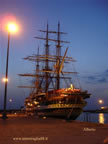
(66, 105)
(63, 113)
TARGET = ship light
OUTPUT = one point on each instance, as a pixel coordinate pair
(65, 95)
(44, 117)
(72, 86)
(29, 104)
(38, 106)
(35, 102)
(59, 102)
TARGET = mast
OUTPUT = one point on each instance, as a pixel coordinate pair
(58, 53)
(37, 72)
(53, 64)
(46, 63)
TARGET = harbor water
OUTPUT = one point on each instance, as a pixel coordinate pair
(94, 117)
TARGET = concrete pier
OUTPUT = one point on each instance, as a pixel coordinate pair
(31, 130)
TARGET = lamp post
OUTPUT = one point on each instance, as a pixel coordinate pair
(11, 28)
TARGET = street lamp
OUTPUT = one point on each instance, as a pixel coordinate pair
(4, 80)
(10, 100)
(100, 101)
(11, 28)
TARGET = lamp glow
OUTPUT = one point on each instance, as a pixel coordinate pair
(100, 101)
(11, 27)
(10, 100)
(5, 80)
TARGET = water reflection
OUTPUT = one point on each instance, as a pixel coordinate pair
(101, 118)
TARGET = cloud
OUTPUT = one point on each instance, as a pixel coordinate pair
(106, 73)
(91, 78)
(103, 80)
(97, 78)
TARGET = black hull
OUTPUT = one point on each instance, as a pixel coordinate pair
(62, 113)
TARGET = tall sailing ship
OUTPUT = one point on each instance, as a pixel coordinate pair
(48, 97)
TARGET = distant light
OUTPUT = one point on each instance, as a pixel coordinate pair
(44, 117)
(10, 100)
(101, 118)
(5, 80)
(12, 27)
(100, 101)
(102, 107)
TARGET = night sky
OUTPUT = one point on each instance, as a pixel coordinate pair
(85, 21)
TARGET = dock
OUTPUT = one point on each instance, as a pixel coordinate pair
(31, 130)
